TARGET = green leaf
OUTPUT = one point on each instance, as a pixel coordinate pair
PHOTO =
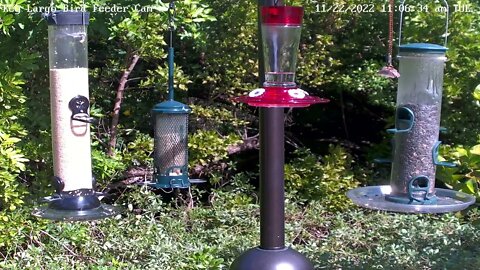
(476, 92)
(475, 150)
(470, 184)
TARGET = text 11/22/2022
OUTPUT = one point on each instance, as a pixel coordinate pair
(370, 8)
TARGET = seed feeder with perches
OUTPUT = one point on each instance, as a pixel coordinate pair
(415, 144)
(75, 197)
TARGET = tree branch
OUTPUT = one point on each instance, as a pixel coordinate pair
(247, 144)
(118, 104)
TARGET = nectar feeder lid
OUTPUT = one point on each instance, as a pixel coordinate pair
(285, 15)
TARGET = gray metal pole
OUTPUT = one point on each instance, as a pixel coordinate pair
(272, 253)
(272, 186)
(272, 194)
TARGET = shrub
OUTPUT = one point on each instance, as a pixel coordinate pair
(326, 180)
(466, 175)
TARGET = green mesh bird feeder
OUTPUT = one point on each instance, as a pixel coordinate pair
(171, 132)
(171, 144)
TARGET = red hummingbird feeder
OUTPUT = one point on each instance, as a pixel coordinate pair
(281, 28)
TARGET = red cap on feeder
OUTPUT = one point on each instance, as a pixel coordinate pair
(281, 29)
(282, 15)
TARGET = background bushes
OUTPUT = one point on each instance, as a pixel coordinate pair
(330, 147)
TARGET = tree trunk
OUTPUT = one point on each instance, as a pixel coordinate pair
(118, 103)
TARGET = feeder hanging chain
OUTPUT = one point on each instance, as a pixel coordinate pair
(390, 34)
(171, 66)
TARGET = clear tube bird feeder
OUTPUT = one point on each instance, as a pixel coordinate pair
(419, 102)
(415, 144)
(281, 28)
(75, 197)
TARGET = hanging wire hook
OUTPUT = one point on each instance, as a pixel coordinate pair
(171, 65)
(171, 21)
(447, 12)
(389, 71)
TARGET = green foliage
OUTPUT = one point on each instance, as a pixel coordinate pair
(466, 176)
(158, 79)
(12, 162)
(376, 240)
(207, 146)
(237, 194)
(219, 118)
(106, 168)
(325, 180)
(139, 152)
(202, 238)
(12, 110)
(17, 227)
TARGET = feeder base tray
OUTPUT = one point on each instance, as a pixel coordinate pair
(181, 185)
(103, 211)
(262, 259)
(374, 198)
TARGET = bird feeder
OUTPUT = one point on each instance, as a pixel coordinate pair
(416, 144)
(75, 197)
(171, 131)
(171, 145)
(281, 27)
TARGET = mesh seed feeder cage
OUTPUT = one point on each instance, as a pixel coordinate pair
(281, 28)
(415, 144)
(75, 197)
(171, 146)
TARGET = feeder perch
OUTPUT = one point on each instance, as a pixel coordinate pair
(417, 127)
(75, 197)
(281, 27)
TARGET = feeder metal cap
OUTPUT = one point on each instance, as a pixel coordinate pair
(423, 48)
(171, 106)
(67, 18)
